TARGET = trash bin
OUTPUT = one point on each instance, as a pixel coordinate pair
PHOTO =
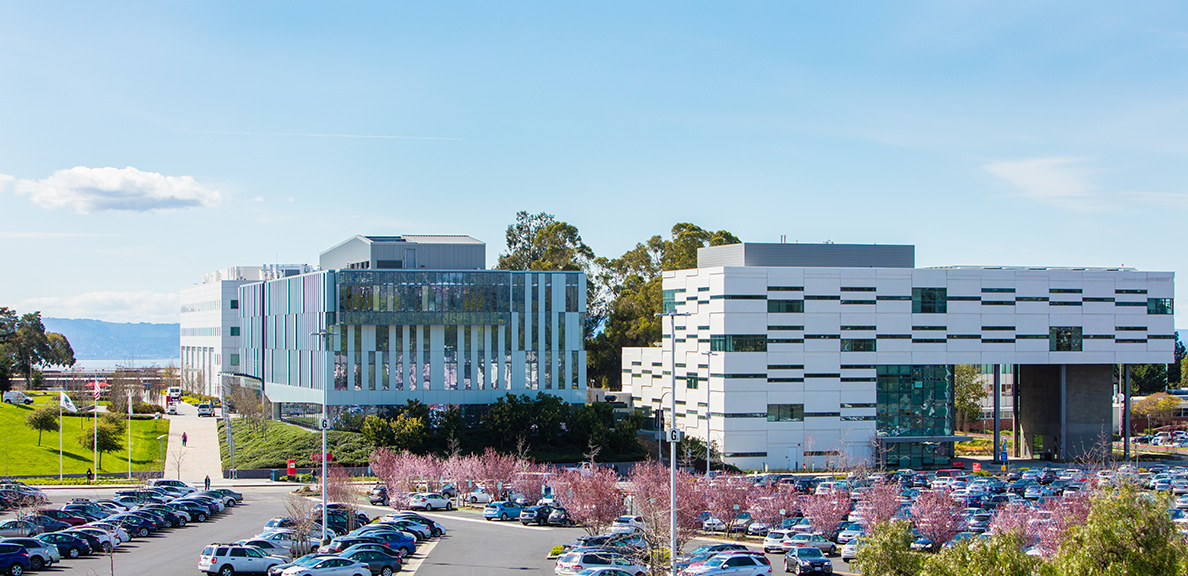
(276, 475)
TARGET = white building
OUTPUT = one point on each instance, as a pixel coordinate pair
(210, 327)
(795, 355)
(413, 317)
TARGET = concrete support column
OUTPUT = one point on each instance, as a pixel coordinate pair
(1063, 448)
(1016, 429)
(997, 391)
(1126, 413)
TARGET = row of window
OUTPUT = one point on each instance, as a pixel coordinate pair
(925, 301)
(1060, 338)
(208, 305)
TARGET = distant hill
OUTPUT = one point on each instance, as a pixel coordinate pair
(117, 341)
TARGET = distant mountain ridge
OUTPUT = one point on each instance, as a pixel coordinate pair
(96, 339)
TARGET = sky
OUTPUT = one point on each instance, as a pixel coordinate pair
(143, 144)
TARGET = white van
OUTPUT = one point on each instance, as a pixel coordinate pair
(15, 397)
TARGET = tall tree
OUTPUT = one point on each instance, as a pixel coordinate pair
(630, 294)
(44, 419)
(25, 346)
(541, 242)
(968, 392)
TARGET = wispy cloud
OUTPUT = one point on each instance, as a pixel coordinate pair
(1068, 183)
(1059, 181)
(321, 135)
(136, 306)
(89, 190)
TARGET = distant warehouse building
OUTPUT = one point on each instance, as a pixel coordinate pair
(413, 317)
(808, 355)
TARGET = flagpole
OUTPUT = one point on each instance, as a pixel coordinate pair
(95, 437)
(129, 433)
(60, 426)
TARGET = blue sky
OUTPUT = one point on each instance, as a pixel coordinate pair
(144, 144)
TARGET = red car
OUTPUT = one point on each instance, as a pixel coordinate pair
(63, 516)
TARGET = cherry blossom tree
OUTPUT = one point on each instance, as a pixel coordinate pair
(341, 489)
(727, 497)
(937, 516)
(825, 511)
(1057, 516)
(879, 503)
(771, 503)
(496, 469)
(590, 497)
(530, 480)
(649, 482)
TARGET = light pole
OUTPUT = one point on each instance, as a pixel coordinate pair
(672, 439)
(161, 452)
(324, 423)
(708, 414)
(660, 432)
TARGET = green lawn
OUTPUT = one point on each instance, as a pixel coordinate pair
(22, 455)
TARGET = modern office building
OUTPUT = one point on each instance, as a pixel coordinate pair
(810, 355)
(210, 328)
(413, 317)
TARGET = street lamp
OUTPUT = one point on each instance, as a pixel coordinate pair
(672, 439)
(324, 424)
(161, 452)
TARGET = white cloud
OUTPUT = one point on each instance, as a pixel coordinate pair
(1059, 181)
(137, 306)
(1067, 183)
(90, 190)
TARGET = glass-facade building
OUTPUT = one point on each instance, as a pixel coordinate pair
(438, 336)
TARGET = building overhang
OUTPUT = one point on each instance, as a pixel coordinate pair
(919, 439)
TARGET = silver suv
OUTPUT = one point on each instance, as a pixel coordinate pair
(228, 559)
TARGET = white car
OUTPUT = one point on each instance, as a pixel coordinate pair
(119, 532)
(329, 566)
(206, 410)
(574, 562)
(632, 521)
(479, 496)
(228, 559)
(772, 542)
(171, 409)
(429, 501)
(174, 484)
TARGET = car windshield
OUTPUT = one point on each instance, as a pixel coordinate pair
(808, 553)
(715, 562)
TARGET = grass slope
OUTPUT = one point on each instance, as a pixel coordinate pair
(23, 457)
(280, 441)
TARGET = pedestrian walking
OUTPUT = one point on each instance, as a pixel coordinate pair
(206, 483)
(90, 476)
(184, 437)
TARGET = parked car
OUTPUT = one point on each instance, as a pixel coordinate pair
(206, 410)
(41, 554)
(574, 562)
(502, 510)
(560, 517)
(378, 495)
(732, 563)
(812, 540)
(68, 546)
(329, 566)
(19, 529)
(479, 496)
(535, 514)
(807, 560)
(379, 562)
(14, 559)
(16, 397)
(228, 559)
(429, 501)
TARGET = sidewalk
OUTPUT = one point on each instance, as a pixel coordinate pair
(200, 456)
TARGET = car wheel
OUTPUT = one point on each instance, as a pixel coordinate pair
(504, 517)
(181, 522)
(473, 500)
(36, 563)
(435, 533)
(386, 571)
(16, 570)
(201, 517)
(73, 553)
(449, 506)
(404, 551)
(226, 570)
(143, 532)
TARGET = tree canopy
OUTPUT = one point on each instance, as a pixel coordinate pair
(541, 242)
(25, 346)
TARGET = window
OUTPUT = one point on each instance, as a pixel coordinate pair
(785, 412)
(1064, 339)
(739, 343)
(235, 304)
(691, 382)
(235, 359)
(1159, 305)
(929, 300)
(779, 306)
(669, 301)
(235, 330)
(858, 345)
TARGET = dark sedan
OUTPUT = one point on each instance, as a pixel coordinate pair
(378, 562)
(69, 545)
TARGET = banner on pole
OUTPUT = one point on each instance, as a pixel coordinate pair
(67, 403)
